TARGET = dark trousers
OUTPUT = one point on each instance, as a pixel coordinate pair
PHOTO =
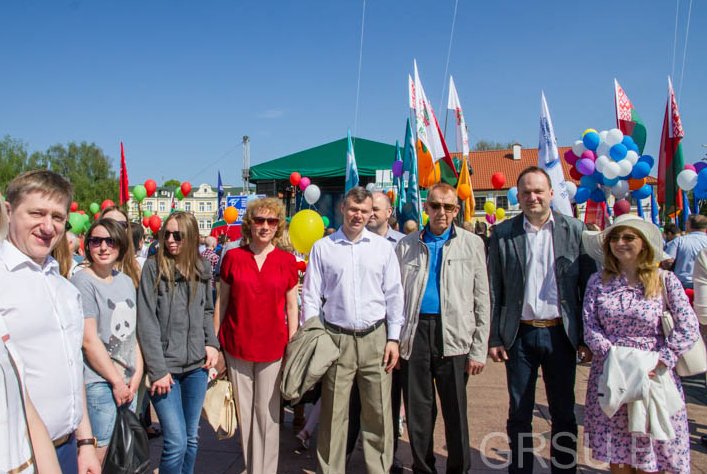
(355, 413)
(68, 457)
(550, 349)
(425, 370)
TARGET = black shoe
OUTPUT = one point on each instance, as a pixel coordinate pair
(397, 467)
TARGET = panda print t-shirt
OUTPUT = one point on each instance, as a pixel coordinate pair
(112, 305)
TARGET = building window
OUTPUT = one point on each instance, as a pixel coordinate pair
(480, 201)
(208, 224)
(148, 205)
(502, 201)
(208, 206)
(187, 206)
(162, 206)
(202, 206)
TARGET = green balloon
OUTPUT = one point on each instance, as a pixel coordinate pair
(139, 192)
(76, 222)
(326, 221)
(146, 213)
(179, 194)
(94, 207)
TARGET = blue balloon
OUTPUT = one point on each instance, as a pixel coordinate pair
(598, 177)
(591, 140)
(640, 170)
(598, 195)
(647, 159)
(618, 151)
(588, 182)
(700, 191)
(629, 143)
(642, 192)
(582, 195)
(702, 178)
(610, 182)
(512, 196)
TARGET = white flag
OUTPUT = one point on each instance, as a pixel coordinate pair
(454, 104)
(426, 124)
(549, 160)
(411, 92)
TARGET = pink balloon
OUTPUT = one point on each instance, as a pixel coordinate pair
(690, 166)
(491, 218)
(304, 182)
(570, 157)
(589, 155)
(585, 166)
(622, 207)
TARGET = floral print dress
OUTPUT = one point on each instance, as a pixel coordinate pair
(618, 314)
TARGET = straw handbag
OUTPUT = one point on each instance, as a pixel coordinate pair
(220, 408)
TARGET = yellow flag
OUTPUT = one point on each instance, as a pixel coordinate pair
(465, 192)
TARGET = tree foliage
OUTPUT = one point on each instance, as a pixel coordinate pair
(84, 164)
(485, 145)
(171, 184)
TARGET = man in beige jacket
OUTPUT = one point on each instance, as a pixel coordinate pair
(445, 336)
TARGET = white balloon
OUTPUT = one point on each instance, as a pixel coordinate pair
(571, 189)
(631, 157)
(370, 187)
(601, 163)
(603, 135)
(620, 189)
(614, 136)
(578, 148)
(312, 194)
(687, 180)
(611, 170)
(603, 149)
(625, 167)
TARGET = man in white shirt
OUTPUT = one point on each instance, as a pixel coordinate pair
(43, 314)
(353, 284)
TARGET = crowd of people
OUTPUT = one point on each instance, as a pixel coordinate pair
(101, 324)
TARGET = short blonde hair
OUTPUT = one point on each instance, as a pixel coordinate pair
(273, 205)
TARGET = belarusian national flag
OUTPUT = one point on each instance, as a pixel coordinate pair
(670, 161)
(627, 120)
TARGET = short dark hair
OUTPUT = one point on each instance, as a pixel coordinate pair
(670, 228)
(697, 222)
(534, 169)
(138, 234)
(358, 194)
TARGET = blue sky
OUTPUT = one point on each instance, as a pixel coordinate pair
(180, 82)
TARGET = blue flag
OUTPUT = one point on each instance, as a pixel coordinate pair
(654, 208)
(220, 196)
(686, 209)
(412, 204)
(351, 169)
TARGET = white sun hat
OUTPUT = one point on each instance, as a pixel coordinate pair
(593, 241)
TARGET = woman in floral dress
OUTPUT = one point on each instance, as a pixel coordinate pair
(623, 305)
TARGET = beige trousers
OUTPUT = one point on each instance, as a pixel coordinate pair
(256, 386)
(361, 358)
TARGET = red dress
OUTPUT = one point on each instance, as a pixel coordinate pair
(255, 325)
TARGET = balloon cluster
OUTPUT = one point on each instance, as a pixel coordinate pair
(312, 193)
(694, 178)
(493, 213)
(607, 162)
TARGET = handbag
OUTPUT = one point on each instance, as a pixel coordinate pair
(694, 360)
(129, 449)
(219, 408)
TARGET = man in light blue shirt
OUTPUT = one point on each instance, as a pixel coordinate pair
(684, 250)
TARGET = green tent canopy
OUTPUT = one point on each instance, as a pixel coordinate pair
(328, 161)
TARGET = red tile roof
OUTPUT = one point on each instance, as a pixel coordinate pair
(485, 163)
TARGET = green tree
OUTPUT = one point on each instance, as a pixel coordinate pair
(485, 145)
(172, 184)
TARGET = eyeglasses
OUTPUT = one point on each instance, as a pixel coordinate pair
(95, 242)
(436, 206)
(628, 238)
(176, 235)
(272, 221)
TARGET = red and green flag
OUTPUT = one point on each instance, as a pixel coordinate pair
(627, 120)
(670, 161)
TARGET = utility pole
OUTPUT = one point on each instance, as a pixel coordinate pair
(246, 164)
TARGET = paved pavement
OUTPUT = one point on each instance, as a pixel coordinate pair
(488, 404)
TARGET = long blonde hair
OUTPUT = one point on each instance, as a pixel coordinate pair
(188, 260)
(646, 270)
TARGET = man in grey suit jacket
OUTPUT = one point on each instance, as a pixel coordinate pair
(537, 321)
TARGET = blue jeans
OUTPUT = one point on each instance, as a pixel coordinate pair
(550, 349)
(178, 412)
(102, 410)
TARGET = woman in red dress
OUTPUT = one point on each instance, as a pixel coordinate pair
(257, 311)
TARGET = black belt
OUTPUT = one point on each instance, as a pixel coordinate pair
(353, 332)
(429, 315)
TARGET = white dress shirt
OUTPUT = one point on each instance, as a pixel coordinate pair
(540, 298)
(43, 314)
(354, 284)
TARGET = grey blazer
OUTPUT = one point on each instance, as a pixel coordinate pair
(506, 264)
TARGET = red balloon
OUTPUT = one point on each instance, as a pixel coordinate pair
(155, 223)
(81, 212)
(74, 206)
(301, 266)
(622, 207)
(96, 216)
(576, 175)
(107, 203)
(146, 222)
(186, 188)
(150, 187)
(498, 180)
(295, 178)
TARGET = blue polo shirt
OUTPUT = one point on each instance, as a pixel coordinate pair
(430, 299)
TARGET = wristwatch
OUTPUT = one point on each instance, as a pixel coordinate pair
(87, 441)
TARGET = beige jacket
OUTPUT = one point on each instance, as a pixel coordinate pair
(699, 281)
(464, 288)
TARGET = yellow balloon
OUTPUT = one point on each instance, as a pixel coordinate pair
(589, 130)
(425, 218)
(489, 207)
(306, 227)
(500, 213)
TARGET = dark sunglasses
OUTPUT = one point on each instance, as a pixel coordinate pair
(438, 205)
(272, 221)
(95, 242)
(625, 237)
(176, 235)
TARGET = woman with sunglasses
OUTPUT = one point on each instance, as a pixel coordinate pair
(257, 316)
(623, 305)
(175, 328)
(113, 364)
(128, 264)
